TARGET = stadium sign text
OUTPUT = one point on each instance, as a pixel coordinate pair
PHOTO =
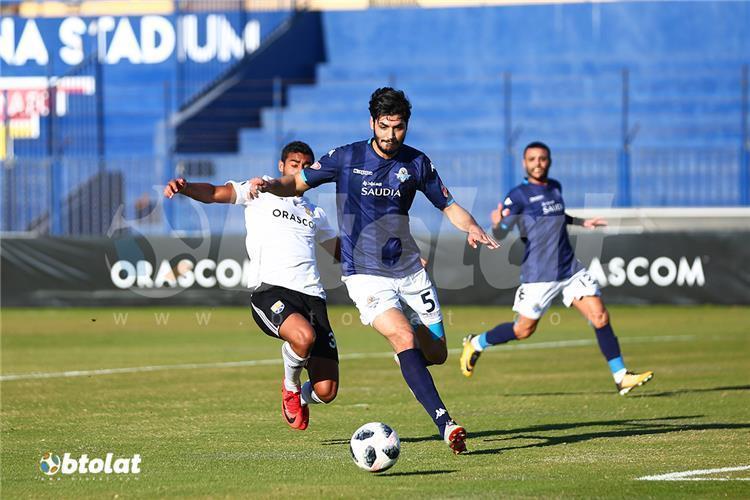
(639, 271)
(144, 40)
(206, 273)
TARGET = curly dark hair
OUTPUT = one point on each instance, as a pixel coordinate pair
(296, 147)
(387, 101)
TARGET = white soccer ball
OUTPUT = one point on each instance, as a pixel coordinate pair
(375, 447)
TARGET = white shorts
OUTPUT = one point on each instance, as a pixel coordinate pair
(533, 299)
(373, 295)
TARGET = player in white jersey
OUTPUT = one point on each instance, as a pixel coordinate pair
(288, 300)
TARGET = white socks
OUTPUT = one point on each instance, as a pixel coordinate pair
(293, 365)
(476, 345)
(308, 395)
(619, 375)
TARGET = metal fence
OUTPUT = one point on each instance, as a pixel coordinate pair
(84, 196)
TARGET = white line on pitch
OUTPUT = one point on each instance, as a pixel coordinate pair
(343, 357)
(688, 475)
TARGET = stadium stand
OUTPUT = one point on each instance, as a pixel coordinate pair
(644, 101)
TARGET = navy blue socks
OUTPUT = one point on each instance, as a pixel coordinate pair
(419, 380)
(501, 334)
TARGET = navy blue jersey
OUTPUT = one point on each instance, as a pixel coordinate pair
(373, 197)
(539, 213)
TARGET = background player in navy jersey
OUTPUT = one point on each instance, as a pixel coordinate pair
(549, 268)
(376, 182)
(288, 300)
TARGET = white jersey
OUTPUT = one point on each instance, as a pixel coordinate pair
(281, 236)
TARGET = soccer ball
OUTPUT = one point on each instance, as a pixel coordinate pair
(375, 447)
(49, 464)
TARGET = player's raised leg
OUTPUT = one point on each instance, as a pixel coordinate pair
(434, 348)
(474, 345)
(324, 381)
(593, 309)
(323, 365)
(394, 326)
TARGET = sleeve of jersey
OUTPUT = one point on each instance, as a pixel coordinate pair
(241, 190)
(433, 187)
(324, 170)
(324, 232)
(512, 210)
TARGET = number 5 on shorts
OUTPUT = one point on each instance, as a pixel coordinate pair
(428, 301)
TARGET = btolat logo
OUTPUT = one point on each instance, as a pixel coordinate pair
(50, 464)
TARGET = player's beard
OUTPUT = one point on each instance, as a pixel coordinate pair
(392, 146)
(538, 174)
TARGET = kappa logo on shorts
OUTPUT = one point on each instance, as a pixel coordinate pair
(372, 302)
(278, 307)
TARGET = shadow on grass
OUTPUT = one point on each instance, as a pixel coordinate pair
(677, 392)
(622, 428)
(416, 473)
(638, 394)
(549, 434)
(334, 442)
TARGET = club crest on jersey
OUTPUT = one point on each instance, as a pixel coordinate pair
(277, 307)
(315, 166)
(308, 212)
(403, 175)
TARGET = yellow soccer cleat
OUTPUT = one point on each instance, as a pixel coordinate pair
(469, 357)
(633, 380)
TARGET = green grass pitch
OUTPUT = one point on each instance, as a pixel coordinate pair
(543, 416)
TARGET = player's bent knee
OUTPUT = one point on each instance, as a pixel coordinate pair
(401, 339)
(523, 331)
(441, 357)
(599, 319)
(303, 339)
(326, 390)
(436, 356)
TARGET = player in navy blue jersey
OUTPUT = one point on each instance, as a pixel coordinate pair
(376, 182)
(549, 268)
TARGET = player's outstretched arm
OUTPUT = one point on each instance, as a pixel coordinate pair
(288, 185)
(464, 221)
(592, 223)
(201, 191)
